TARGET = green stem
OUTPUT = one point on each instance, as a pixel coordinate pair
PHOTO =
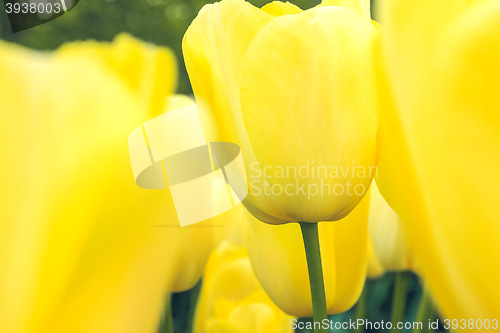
(313, 256)
(424, 310)
(360, 310)
(432, 316)
(193, 301)
(167, 323)
(399, 299)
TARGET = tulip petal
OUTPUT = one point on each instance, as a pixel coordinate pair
(278, 259)
(214, 47)
(150, 72)
(388, 233)
(66, 159)
(361, 7)
(307, 92)
(232, 299)
(278, 8)
(374, 268)
(442, 64)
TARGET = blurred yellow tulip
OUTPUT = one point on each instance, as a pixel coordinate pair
(232, 300)
(387, 233)
(191, 246)
(82, 248)
(374, 268)
(440, 139)
(295, 89)
(279, 261)
(149, 72)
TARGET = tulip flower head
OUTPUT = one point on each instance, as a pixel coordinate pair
(279, 261)
(82, 248)
(232, 299)
(295, 90)
(387, 233)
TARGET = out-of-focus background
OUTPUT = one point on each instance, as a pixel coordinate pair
(161, 22)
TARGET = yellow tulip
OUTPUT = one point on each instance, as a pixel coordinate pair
(82, 248)
(440, 133)
(278, 258)
(189, 247)
(374, 268)
(295, 90)
(150, 73)
(232, 300)
(388, 234)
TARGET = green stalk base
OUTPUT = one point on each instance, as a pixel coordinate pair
(313, 256)
(399, 299)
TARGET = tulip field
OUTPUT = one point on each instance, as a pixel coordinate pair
(237, 166)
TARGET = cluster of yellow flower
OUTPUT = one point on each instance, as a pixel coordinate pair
(82, 249)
